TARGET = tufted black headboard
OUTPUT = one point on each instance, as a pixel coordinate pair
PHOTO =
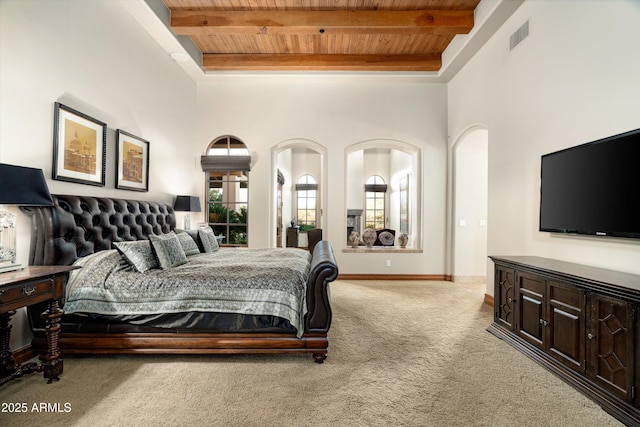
(78, 226)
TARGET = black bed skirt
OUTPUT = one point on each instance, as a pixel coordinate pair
(168, 322)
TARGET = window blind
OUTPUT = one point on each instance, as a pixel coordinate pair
(225, 163)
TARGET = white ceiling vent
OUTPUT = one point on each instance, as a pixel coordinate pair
(520, 34)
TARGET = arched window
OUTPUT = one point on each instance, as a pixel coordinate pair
(226, 166)
(374, 205)
(307, 206)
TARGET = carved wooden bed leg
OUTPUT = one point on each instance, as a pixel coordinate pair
(319, 357)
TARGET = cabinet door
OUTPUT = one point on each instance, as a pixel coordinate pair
(636, 355)
(566, 327)
(611, 345)
(504, 297)
(532, 320)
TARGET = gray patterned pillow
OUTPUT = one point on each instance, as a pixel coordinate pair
(208, 240)
(138, 253)
(189, 245)
(168, 250)
(194, 236)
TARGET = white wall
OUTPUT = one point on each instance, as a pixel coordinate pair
(354, 180)
(93, 57)
(573, 80)
(335, 111)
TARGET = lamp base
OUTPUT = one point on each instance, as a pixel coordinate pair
(7, 240)
(12, 267)
(187, 222)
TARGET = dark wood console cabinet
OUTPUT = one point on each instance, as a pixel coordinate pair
(577, 321)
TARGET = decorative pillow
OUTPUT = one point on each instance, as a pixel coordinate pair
(189, 245)
(168, 250)
(208, 240)
(194, 236)
(138, 253)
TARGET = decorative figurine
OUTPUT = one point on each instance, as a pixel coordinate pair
(354, 239)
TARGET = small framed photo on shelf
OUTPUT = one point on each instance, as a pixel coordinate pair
(132, 160)
(79, 147)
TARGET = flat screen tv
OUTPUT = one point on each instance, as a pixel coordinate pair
(593, 188)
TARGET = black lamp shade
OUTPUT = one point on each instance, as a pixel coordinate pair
(23, 186)
(187, 204)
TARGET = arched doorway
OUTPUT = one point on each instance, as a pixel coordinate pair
(469, 213)
(292, 159)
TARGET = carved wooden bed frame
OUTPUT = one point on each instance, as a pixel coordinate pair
(77, 226)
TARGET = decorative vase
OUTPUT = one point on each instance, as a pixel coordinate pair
(369, 237)
(354, 239)
(386, 238)
(403, 239)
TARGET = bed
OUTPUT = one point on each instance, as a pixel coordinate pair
(231, 300)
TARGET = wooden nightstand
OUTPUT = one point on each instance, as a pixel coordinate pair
(22, 288)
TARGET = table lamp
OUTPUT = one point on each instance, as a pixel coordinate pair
(19, 186)
(187, 204)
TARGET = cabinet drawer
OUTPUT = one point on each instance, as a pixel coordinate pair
(26, 290)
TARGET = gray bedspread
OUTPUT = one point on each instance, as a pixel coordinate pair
(246, 281)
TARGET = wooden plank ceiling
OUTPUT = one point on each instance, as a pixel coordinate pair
(319, 35)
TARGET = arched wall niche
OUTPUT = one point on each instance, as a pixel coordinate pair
(399, 163)
(293, 158)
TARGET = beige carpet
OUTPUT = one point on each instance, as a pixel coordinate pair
(401, 354)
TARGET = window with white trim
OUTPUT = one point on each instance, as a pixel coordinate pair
(307, 202)
(226, 168)
(375, 190)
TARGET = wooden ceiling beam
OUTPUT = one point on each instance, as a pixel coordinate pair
(324, 62)
(213, 22)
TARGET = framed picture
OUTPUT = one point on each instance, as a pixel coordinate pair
(79, 147)
(132, 158)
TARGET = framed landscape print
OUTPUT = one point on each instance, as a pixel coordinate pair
(132, 158)
(79, 147)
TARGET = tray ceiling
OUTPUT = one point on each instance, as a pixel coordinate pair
(321, 35)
